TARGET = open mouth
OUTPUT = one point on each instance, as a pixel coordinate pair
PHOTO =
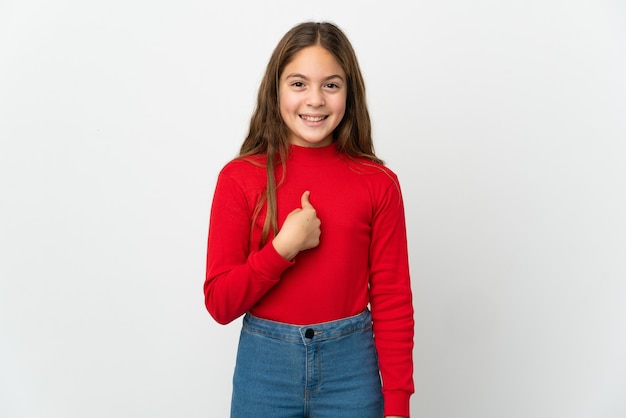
(313, 118)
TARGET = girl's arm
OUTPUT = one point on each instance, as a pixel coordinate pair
(236, 276)
(391, 300)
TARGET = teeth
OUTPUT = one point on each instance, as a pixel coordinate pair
(313, 118)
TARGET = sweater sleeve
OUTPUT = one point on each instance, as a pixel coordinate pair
(391, 300)
(236, 277)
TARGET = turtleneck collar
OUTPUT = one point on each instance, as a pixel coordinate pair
(313, 155)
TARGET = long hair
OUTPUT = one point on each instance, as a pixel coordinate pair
(268, 134)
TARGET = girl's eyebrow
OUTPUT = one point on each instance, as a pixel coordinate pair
(302, 76)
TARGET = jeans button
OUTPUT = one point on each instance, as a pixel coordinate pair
(309, 333)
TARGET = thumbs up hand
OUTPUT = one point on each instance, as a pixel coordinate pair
(300, 231)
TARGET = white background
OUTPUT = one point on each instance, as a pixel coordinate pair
(505, 121)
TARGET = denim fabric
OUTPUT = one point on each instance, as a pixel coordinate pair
(326, 370)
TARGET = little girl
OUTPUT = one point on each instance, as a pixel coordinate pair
(307, 239)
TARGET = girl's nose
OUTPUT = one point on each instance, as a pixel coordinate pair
(315, 98)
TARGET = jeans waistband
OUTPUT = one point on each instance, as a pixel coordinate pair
(308, 333)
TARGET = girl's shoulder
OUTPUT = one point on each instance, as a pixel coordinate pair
(380, 181)
(244, 168)
(244, 164)
(364, 166)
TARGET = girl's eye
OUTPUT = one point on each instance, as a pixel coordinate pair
(298, 84)
(332, 86)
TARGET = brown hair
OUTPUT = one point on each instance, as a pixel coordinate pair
(268, 133)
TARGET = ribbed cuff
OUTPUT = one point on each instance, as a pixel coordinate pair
(271, 264)
(397, 403)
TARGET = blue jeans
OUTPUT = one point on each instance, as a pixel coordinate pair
(326, 370)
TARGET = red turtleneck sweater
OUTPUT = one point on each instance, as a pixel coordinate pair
(361, 259)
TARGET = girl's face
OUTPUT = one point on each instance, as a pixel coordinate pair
(312, 97)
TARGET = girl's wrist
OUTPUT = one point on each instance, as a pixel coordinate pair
(283, 249)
